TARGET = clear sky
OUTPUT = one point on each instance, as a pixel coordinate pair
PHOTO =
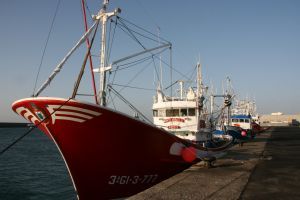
(256, 43)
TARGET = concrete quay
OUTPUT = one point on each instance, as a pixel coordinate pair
(267, 167)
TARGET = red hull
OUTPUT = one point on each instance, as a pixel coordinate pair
(108, 154)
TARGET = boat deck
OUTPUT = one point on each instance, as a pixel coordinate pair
(267, 167)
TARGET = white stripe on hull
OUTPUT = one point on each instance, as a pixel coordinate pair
(70, 119)
(91, 112)
(72, 114)
(58, 112)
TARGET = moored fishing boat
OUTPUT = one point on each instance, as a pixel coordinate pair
(109, 154)
(184, 115)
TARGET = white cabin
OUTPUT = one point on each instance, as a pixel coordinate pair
(177, 115)
(243, 121)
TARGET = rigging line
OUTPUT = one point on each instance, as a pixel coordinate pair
(157, 74)
(108, 46)
(221, 112)
(133, 87)
(171, 85)
(109, 95)
(134, 77)
(88, 9)
(111, 41)
(193, 73)
(31, 129)
(144, 29)
(132, 64)
(45, 47)
(83, 65)
(168, 65)
(128, 103)
(136, 61)
(140, 34)
(115, 74)
(135, 38)
(132, 35)
(64, 60)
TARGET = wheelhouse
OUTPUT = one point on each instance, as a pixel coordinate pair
(243, 121)
(174, 112)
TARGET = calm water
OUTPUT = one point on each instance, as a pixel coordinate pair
(33, 168)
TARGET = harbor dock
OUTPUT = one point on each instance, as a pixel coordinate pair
(267, 167)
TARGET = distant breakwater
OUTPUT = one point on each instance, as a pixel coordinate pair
(14, 124)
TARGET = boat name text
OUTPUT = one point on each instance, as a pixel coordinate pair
(174, 120)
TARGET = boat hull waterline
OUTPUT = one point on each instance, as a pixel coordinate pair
(108, 154)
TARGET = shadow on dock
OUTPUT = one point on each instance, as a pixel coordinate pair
(264, 168)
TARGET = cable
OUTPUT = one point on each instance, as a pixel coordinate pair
(44, 51)
(144, 30)
(111, 40)
(130, 34)
(134, 77)
(128, 86)
(88, 9)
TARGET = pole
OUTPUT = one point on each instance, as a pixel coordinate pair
(88, 44)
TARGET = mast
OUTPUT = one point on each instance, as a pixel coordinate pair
(199, 80)
(181, 89)
(228, 100)
(88, 44)
(199, 90)
(212, 98)
(104, 16)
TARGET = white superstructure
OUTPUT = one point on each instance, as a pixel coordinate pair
(176, 115)
(182, 115)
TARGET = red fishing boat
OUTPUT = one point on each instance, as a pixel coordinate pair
(108, 154)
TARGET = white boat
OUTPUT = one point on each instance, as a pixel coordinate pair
(183, 115)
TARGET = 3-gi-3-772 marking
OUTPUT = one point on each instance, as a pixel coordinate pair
(136, 179)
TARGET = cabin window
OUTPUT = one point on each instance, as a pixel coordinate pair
(183, 112)
(172, 113)
(169, 113)
(175, 112)
(242, 120)
(235, 120)
(155, 113)
(161, 113)
(247, 120)
(192, 112)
